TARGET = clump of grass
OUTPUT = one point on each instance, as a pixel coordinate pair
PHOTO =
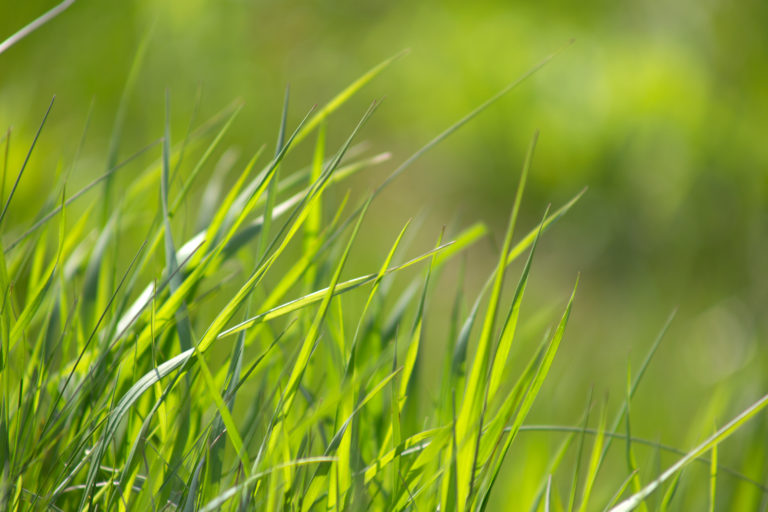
(124, 387)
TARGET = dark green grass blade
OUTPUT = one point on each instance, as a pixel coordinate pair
(24, 165)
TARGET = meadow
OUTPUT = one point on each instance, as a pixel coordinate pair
(246, 265)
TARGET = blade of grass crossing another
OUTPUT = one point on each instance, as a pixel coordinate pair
(594, 463)
(183, 325)
(310, 339)
(725, 432)
(530, 396)
(272, 188)
(471, 404)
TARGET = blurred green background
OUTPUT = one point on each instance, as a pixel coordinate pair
(660, 108)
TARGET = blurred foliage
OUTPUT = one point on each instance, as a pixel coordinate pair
(660, 108)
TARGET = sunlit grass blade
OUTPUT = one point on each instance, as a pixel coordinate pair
(725, 432)
(530, 395)
(35, 24)
(471, 404)
(118, 125)
(344, 95)
(594, 463)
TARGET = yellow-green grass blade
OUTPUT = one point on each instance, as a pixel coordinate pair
(460, 348)
(117, 126)
(416, 441)
(467, 118)
(344, 452)
(318, 296)
(321, 476)
(471, 405)
(343, 96)
(276, 433)
(722, 469)
(212, 232)
(217, 326)
(272, 188)
(579, 451)
(172, 303)
(528, 399)
(221, 499)
(725, 432)
(225, 414)
(310, 340)
(624, 486)
(314, 217)
(594, 463)
(499, 359)
(409, 365)
(636, 383)
(670, 493)
(183, 325)
(202, 161)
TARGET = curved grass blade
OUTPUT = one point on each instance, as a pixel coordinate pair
(725, 432)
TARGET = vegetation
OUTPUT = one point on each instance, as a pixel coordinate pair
(244, 367)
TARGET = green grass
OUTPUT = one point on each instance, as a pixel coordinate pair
(243, 368)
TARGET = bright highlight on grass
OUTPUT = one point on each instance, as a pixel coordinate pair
(243, 369)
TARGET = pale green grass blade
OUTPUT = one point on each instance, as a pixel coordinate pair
(632, 502)
(35, 24)
(548, 495)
